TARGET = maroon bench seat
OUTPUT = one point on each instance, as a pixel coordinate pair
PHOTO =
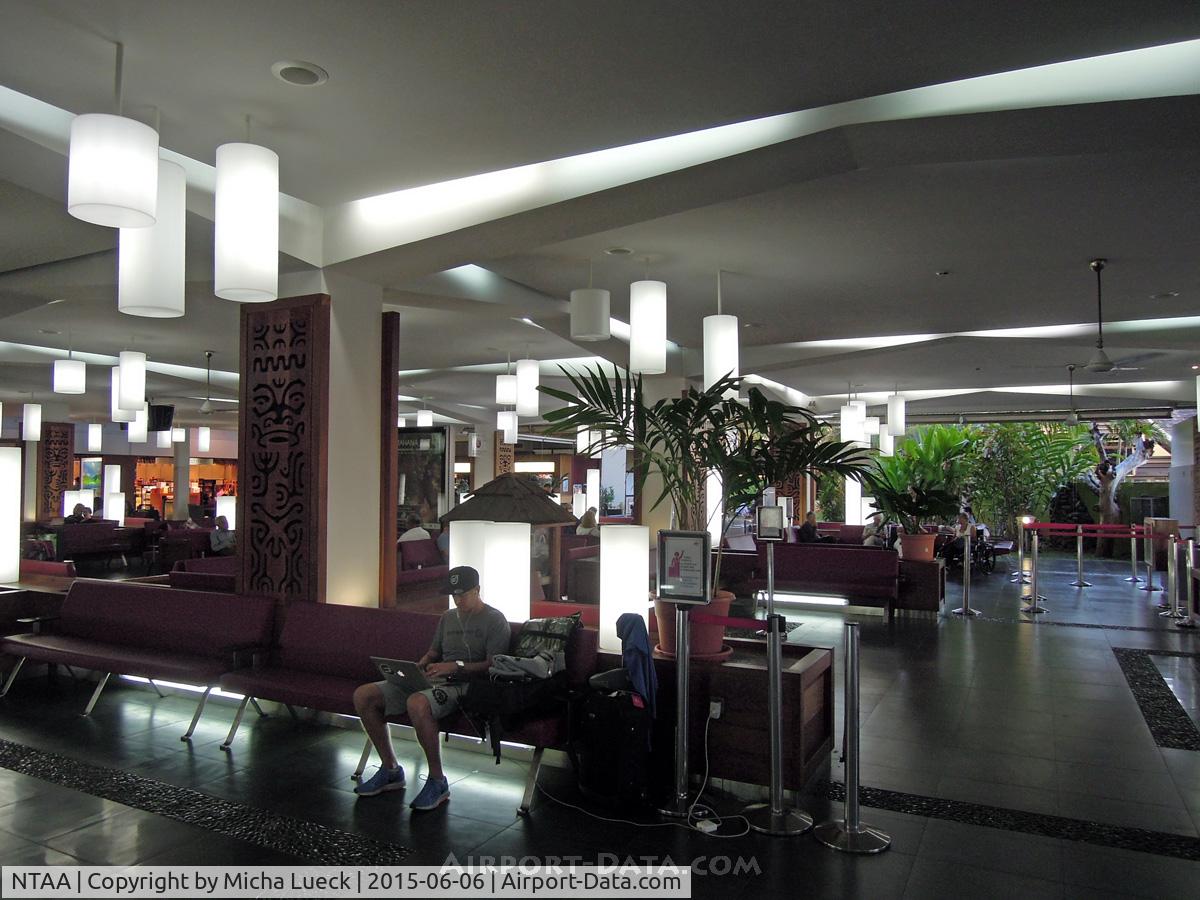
(147, 630)
(324, 653)
(864, 575)
(64, 569)
(208, 573)
(420, 568)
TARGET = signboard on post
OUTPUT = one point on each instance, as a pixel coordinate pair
(770, 523)
(684, 568)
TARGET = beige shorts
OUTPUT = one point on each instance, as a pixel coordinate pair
(443, 699)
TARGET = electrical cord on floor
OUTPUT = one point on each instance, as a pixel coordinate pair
(704, 812)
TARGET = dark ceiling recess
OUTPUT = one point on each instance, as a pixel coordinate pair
(160, 418)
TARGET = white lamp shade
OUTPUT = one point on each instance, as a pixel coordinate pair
(506, 421)
(871, 425)
(87, 498)
(527, 387)
(164, 440)
(506, 390)
(10, 514)
(860, 409)
(713, 489)
(853, 502)
(720, 350)
(648, 327)
(623, 578)
(227, 507)
(849, 429)
(118, 414)
(246, 224)
(132, 393)
(70, 376)
(178, 435)
(112, 172)
(896, 410)
(95, 439)
(114, 507)
(587, 443)
(203, 439)
(139, 428)
(150, 261)
(1198, 401)
(424, 418)
(887, 443)
(590, 309)
(505, 580)
(468, 543)
(578, 504)
(401, 422)
(593, 489)
(31, 422)
(112, 480)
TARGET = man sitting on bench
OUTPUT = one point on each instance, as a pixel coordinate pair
(466, 639)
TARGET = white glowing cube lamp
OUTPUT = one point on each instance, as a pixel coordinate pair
(623, 584)
(203, 439)
(528, 379)
(139, 428)
(70, 376)
(853, 512)
(178, 435)
(246, 224)
(132, 392)
(114, 507)
(95, 438)
(31, 422)
(10, 514)
(164, 440)
(648, 327)
(424, 418)
(227, 507)
(112, 480)
(593, 489)
(70, 498)
(500, 553)
(150, 261)
(578, 504)
(112, 171)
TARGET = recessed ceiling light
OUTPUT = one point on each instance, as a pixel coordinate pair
(619, 251)
(942, 273)
(1165, 295)
(299, 73)
(1196, 367)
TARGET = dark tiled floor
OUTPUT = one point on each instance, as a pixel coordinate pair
(999, 712)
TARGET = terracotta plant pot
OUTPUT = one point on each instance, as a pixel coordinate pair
(705, 640)
(917, 546)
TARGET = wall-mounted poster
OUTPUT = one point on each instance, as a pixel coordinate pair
(422, 467)
(90, 470)
(683, 567)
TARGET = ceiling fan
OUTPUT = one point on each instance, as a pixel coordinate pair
(1099, 363)
(1072, 415)
(206, 408)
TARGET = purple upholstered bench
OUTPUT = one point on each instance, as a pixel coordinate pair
(325, 651)
(208, 573)
(420, 569)
(864, 575)
(147, 630)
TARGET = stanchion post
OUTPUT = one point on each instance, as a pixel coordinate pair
(965, 610)
(849, 834)
(1190, 581)
(1019, 575)
(677, 806)
(770, 579)
(772, 818)
(1134, 577)
(1034, 596)
(1079, 582)
(1149, 586)
(1171, 609)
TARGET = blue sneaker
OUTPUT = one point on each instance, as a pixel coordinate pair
(434, 794)
(382, 780)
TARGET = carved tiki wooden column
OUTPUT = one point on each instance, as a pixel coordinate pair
(282, 423)
(55, 467)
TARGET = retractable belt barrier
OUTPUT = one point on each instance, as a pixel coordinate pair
(1080, 531)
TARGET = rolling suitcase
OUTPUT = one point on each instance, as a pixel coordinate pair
(611, 748)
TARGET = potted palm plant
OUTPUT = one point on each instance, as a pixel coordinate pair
(909, 493)
(748, 445)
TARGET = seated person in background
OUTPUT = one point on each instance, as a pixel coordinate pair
(962, 528)
(808, 531)
(588, 525)
(466, 639)
(415, 532)
(221, 539)
(77, 515)
(871, 535)
(443, 542)
(87, 515)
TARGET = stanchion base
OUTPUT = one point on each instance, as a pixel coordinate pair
(1185, 623)
(1033, 608)
(867, 840)
(1081, 584)
(965, 612)
(1133, 580)
(782, 824)
(1149, 587)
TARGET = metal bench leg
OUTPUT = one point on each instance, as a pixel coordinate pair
(12, 676)
(535, 766)
(196, 718)
(258, 709)
(237, 720)
(362, 762)
(155, 686)
(96, 693)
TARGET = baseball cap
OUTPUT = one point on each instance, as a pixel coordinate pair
(460, 580)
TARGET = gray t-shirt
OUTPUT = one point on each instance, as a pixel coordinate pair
(474, 637)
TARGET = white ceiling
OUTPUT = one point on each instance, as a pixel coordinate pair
(833, 236)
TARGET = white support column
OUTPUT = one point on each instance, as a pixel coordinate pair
(29, 509)
(655, 388)
(484, 468)
(1183, 473)
(183, 479)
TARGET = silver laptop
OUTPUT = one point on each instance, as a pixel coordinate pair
(402, 672)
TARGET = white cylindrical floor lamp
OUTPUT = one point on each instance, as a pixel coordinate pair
(624, 585)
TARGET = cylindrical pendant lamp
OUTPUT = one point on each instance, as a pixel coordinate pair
(401, 422)
(593, 490)
(246, 224)
(871, 425)
(506, 390)
(896, 411)
(10, 514)
(112, 171)
(578, 504)
(527, 387)
(720, 350)
(622, 578)
(227, 507)
(849, 430)
(138, 432)
(112, 481)
(150, 261)
(114, 507)
(164, 440)
(203, 439)
(178, 435)
(860, 409)
(133, 381)
(887, 443)
(648, 327)
(590, 314)
(70, 376)
(506, 421)
(118, 414)
(31, 422)
(424, 418)
(95, 438)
